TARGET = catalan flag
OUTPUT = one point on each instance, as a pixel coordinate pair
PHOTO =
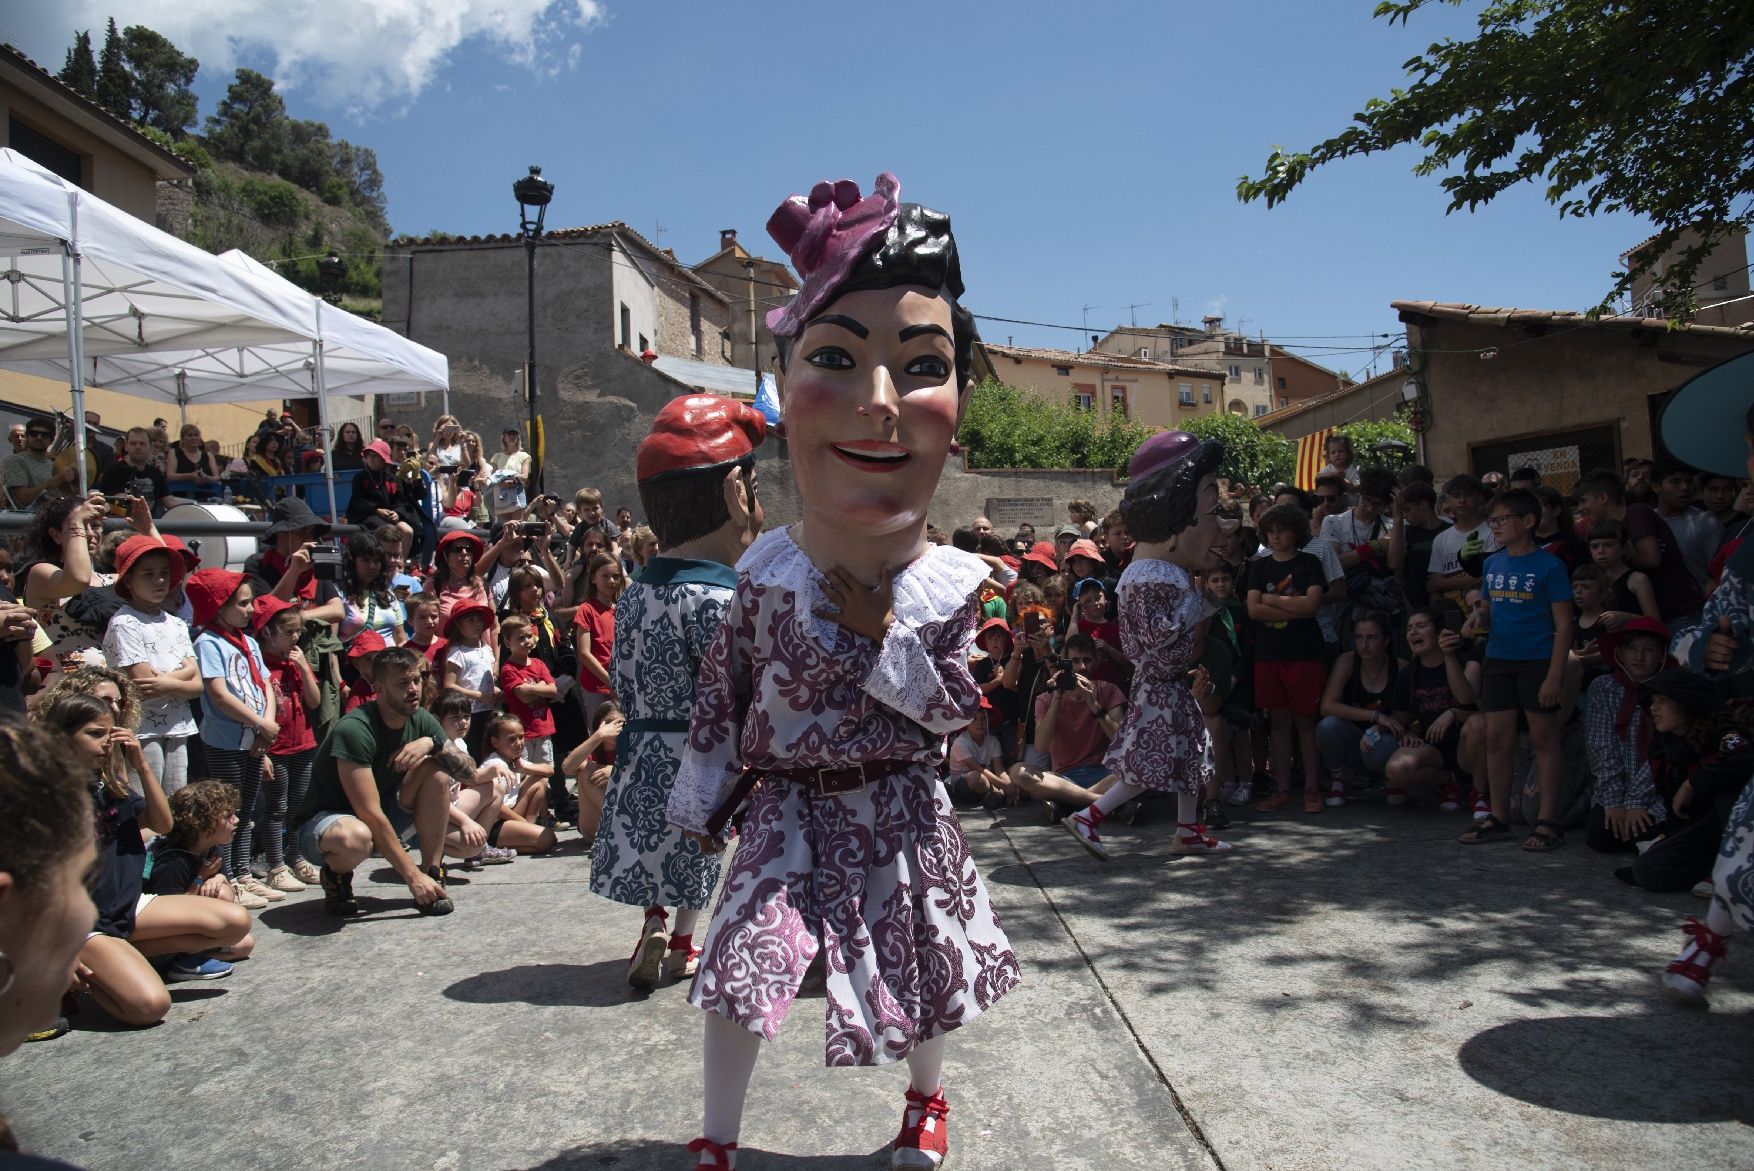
(1311, 456)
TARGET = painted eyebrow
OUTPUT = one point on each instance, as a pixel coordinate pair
(914, 331)
(846, 323)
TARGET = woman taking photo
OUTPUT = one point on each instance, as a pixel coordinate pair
(349, 451)
(58, 565)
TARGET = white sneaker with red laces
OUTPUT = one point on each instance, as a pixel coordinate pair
(1688, 973)
(647, 962)
(1082, 825)
(1192, 838)
(924, 1139)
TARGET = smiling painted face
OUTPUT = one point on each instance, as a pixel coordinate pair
(871, 404)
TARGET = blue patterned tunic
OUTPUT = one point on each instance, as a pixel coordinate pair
(663, 626)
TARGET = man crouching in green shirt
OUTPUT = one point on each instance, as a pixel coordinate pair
(384, 770)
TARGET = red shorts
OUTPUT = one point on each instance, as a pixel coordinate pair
(1295, 686)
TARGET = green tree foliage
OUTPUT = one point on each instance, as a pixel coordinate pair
(1252, 454)
(80, 71)
(161, 81)
(1640, 105)
(250, 125)
(1005, 427)
(113, 89)
(1365, 434)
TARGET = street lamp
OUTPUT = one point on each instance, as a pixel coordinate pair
(331, 271)
(533, 193)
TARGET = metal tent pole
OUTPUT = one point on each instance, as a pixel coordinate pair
(73, 303)
(328, 443)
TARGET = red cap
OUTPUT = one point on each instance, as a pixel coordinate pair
(208, 590)
(367, 642)
(132, 550)
(698, 432)
(263, 608)
(986, 704)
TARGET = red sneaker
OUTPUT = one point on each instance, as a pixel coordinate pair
(1688, 973)
(924, 1139)
(1481, 809)
(1450, 795)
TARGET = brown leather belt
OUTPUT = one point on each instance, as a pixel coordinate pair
(828, 782)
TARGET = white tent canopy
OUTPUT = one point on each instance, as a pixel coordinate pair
(160, 318)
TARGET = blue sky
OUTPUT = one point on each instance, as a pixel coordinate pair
(1088, 153)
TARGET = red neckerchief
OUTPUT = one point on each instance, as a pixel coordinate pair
(305, 587)
(236, 639)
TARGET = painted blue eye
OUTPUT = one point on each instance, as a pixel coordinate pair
(831, 358)
(930, 367)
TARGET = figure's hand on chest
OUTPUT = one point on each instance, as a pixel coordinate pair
(859, 608)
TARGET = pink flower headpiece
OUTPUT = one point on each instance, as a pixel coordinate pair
(825, 236)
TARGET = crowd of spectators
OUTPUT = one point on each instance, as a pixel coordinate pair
(435, 688)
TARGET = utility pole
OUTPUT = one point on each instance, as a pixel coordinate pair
(754, 341)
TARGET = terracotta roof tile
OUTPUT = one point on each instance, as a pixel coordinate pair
(1094, 358)
(1491, 315)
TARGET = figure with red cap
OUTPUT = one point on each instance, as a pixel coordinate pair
(277, 625)
(1162, 744)
(696, 474)
(826, 698)
(151, 645)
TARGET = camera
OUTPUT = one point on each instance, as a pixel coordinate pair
(1065, 676)
(448, 469)
(531, 528)
(326, 563)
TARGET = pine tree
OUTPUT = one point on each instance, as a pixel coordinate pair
(160, 79)
(112, 75)
(80, 71)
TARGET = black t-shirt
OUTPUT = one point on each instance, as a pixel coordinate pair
(1566, 545)
(124, 478)
(1291, 640)
(1423, 691)
(1003, 699)
(1416, 566)
(174, 871)
(121, 860)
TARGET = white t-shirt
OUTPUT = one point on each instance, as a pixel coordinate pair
(160, 641)
(966, 756)
(474, 671)
(1446, 547)
(1346, 530)
(514, 785)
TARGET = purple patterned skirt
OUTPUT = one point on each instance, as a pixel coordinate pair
(880, 880)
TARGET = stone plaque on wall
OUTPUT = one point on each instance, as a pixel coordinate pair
(1007, 512)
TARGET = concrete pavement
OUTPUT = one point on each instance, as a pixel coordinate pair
(1347, 990)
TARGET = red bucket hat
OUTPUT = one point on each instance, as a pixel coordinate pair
(697, 433)
(264, 608)
(1609, 641)
(380, 449)
(132, 550)
(208, 590)
(455, 536)
(995, 624)
(370, 642)
(1044, 554)
(1084, 547)
(191, 559)
(463, 611)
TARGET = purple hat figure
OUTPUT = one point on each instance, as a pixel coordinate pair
(1162, 482)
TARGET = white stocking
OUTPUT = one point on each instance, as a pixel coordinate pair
(729, 1051)
(925, 1066)
(1187, 808)
(1118, 794)
(685, 921)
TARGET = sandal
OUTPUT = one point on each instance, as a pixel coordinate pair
(720, 1153)
(1484, 830)
(1546, 841)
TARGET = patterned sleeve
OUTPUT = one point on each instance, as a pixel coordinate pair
(1607, 755)
(923, 672)
(1733, 600)
(711, 760)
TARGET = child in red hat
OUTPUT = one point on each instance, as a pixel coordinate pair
(237, 719)
(277, 624)
(151, 645)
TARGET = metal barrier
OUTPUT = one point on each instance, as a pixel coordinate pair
(17, 522)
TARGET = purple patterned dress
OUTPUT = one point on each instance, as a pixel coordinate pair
(879, 879)
(1162, 742)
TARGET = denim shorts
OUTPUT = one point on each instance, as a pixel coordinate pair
(312, 831)
(1085, 775)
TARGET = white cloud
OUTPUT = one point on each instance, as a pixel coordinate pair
(363, 55)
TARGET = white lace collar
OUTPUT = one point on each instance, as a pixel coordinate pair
(931, 589)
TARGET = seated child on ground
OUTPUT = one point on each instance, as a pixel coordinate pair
(189, 859)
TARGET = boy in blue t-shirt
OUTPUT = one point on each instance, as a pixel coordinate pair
(1526, 652)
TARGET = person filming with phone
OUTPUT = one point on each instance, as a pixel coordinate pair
(1076, 715)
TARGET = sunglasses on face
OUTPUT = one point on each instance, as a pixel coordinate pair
(35, 434)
